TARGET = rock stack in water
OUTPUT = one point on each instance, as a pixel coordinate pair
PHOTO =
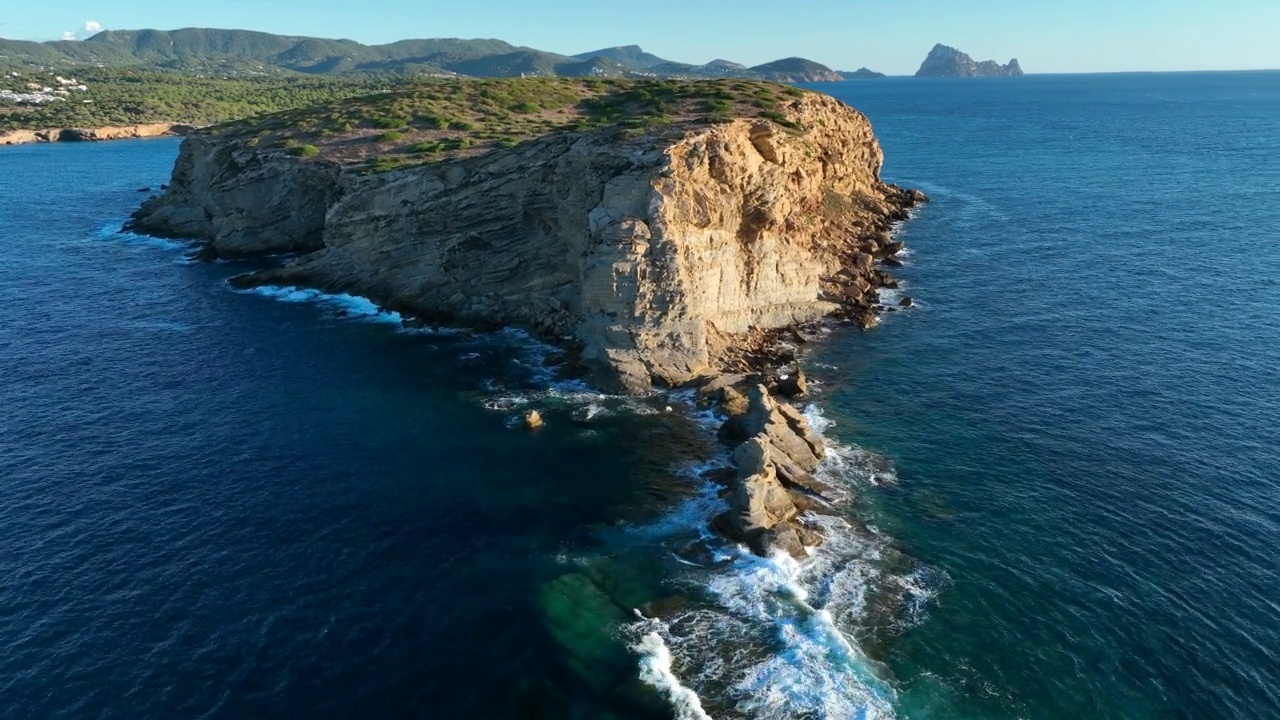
(774, 459)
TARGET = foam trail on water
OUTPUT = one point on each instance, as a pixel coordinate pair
(114, 233)
(655, 671)
(813, 669)
(352, 305)
(694, 512)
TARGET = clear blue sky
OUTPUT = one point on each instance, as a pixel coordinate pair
(1047, 36)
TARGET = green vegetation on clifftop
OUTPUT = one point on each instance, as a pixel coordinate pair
(439, 117)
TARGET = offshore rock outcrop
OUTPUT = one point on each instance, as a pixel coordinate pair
(946, 61)
(774, 463)
(662, 258)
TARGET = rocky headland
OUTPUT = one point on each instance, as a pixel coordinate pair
(946, 61)
(664, 233)
(121, 132)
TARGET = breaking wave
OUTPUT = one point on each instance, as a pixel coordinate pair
(772, 638)
(655, 671)
(340, 304)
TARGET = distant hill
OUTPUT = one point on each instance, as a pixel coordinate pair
(795, 70)
(238, 52)
(862, 74)
(946, 61)
(629, 55)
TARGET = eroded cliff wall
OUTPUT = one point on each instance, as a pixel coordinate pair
(654, 254)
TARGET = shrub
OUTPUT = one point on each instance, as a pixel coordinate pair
(392, 136)
(426, 147)
(526, 108)
(461, 125)
(782, 120)
(389, 123)
(305, 151)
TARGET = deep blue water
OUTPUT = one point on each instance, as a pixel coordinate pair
(1084, 413)
(217, 504)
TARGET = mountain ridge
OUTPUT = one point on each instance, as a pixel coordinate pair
(255, 52)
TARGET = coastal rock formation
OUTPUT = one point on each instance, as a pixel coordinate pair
(774, 479)
(244, 202)
(124, 132)
(863, 74)
(945, 61)
(660, 257)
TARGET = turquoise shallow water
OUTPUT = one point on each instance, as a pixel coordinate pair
(1061, 465)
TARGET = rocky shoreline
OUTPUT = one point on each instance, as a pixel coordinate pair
(109, 132)
(689, 255)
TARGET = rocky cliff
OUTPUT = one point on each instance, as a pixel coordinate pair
(662, 257)
(944, 61)
(123, 132)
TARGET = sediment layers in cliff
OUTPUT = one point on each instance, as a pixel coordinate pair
(663, 257)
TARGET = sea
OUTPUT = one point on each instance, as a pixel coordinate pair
(1059, 469)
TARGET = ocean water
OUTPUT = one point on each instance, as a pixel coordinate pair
(1060, 466)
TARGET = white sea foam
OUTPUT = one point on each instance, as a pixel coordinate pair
(655, 670)
(889, 297)
(350, 305)
(114, 233)
(775, 637)
(693, 513)
(812, 668)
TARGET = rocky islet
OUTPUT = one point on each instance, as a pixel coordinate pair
(946, 61)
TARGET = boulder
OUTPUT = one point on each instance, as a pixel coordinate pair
(733, 402)
(794, 385)
(800, 426)
(906, 302)
(783, 537)
(759, 502)
(890, 249)
(768, 421)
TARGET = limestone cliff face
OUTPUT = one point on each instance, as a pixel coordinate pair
(241, 201)
(652, 254)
